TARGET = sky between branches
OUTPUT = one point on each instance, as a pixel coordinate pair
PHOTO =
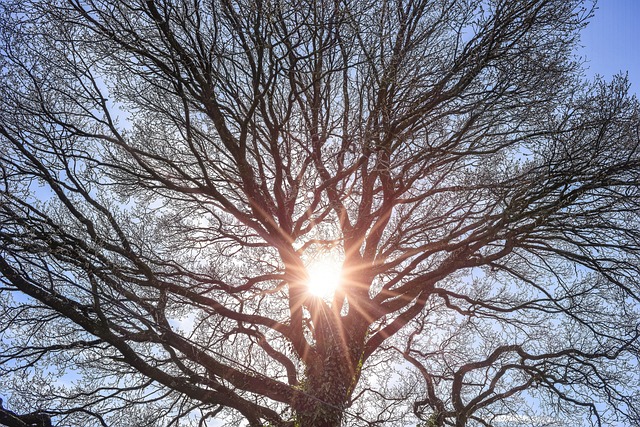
(611, 42)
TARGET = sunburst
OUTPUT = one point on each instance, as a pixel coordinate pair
(324, 276)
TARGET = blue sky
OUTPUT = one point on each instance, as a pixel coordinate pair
(612, 41)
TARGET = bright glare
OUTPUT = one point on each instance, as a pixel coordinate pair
(324, 277)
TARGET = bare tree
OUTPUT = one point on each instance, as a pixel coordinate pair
(171, 169)
(11, 419)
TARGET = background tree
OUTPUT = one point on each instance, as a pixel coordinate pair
(171, 169)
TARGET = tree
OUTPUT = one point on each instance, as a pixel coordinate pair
(11, 419)
(171, 169)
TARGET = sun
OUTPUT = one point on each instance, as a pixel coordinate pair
(325, 275)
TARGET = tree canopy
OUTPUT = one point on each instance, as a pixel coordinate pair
(171, 170)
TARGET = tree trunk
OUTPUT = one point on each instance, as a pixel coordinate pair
(326, 389)
(313, 420)
(325, 399)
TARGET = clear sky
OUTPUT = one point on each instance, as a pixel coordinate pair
(612, 41)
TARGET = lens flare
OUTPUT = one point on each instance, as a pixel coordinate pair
(324, 277)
